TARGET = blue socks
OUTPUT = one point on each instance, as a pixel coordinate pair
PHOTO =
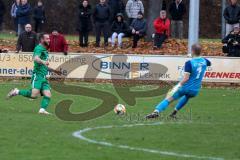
(182, 102)
(165, 103)
(162, 106)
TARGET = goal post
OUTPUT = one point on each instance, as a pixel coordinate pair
(193, 33)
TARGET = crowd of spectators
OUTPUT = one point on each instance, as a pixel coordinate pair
(231, 42)
(114, 20)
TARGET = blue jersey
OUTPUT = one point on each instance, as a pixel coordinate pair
(197, 68)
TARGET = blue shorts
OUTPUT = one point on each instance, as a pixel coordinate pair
(183, 92)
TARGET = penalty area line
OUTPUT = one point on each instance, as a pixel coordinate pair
(79, 135)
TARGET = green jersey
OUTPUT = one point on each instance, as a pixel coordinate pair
(42, 53)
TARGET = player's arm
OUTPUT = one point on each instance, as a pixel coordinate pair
(54, 71)
(209, 63)
(181, 83)
(187, 72)
(46, 63)
(38, 60)
(185, 78)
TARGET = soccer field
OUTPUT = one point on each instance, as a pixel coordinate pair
(207, 128)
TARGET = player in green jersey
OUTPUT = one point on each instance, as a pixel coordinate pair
(39, 82)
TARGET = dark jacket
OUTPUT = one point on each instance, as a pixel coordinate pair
(101, 13)
(177, 12)
(27, 42)
(232, 14)
(2, 8)
(116, 6)
(139, 25)
(233, 50)
(84, 19)
(23, 14)
(39, 13)
(119, 27)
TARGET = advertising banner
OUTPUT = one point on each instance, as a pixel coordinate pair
(107, 66)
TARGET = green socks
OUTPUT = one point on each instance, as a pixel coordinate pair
(28, 93)
(45, 102)
(25, 93)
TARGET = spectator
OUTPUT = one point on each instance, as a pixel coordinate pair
(117, 6)
(14, 8)
(58, 42)
(23, 15)
(232, 43)
(84, 23)
(232, 16)
(162, 29)
(101, 17)
(177, 10)
(2, 12)
(119, 29)
(138, 28)
(39, 16)
(27, 40)
(133, 7)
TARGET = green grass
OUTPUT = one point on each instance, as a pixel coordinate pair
(8, 36)
(213, 131)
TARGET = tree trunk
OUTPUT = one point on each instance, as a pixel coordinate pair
(153, 12)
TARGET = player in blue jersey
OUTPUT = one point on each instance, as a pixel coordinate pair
(188, 87)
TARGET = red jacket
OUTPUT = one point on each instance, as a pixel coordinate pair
(58, 43)
(162, 26)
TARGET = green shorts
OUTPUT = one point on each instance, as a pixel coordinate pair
(40, 82)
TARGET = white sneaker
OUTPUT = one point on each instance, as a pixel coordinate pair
(44, 112)
(14, 92)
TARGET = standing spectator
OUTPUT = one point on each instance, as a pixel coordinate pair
(232, 43)
(101, 17)
(232, 16)
(27, 40)
(177, 10)
(162, 29)
(84, 23)
(117, 6)
(58, 42)
(133, 7)
(39, 16)
(138, 28)
(14, 8)
(119, 29)
(23, 15)
(2, 12)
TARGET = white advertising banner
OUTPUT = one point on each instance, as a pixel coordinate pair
(107, 66)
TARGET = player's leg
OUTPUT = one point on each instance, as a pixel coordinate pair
(174, 94)
(46, 92)
(182, 102)
(32, 93)
(162, 106)
(35, 91)
(45, 102)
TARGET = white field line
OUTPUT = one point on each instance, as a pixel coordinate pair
(79, 135)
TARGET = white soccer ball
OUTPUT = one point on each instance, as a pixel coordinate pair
(120, 109)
